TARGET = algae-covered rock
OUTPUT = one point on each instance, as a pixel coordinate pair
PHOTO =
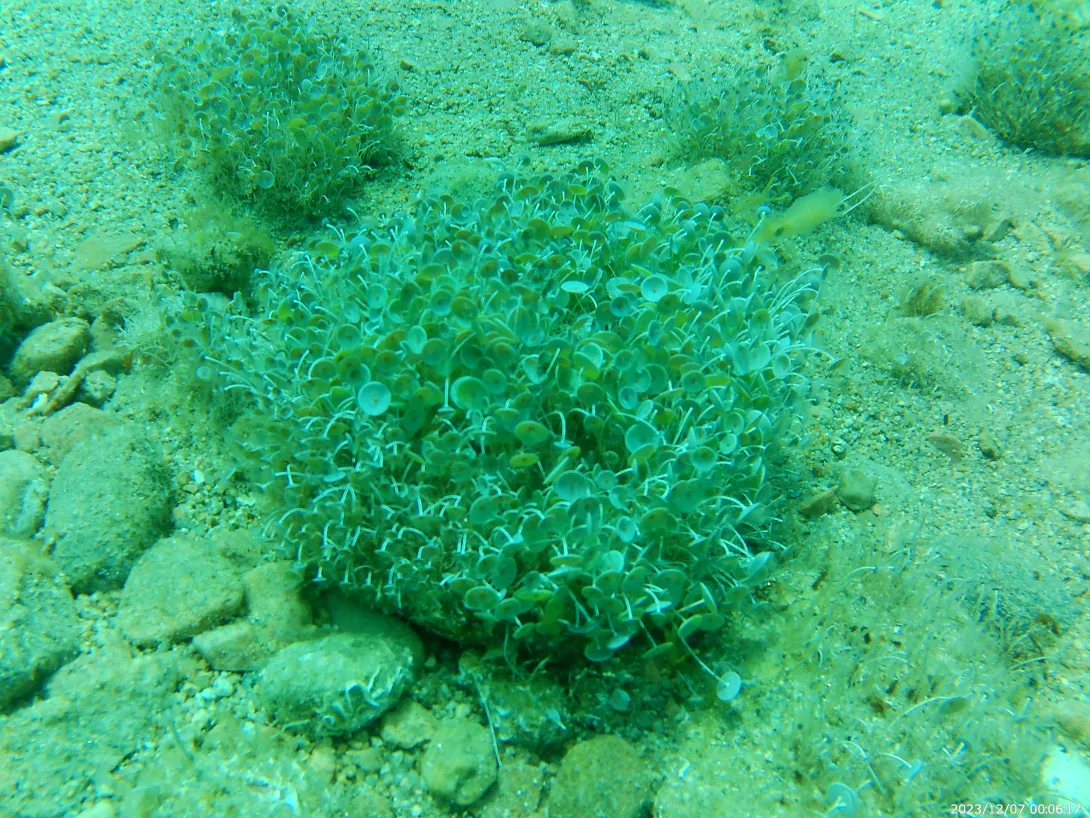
(337, 684)
(217, 249)
(532, 712)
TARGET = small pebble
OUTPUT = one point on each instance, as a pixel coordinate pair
(989, 447)
(563, 48)
(537, 33)
(565, 134)
(561, 133)
(971, 126)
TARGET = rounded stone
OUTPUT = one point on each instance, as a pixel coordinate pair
(337, 684)
(52, 347)
(856, 489)
(603, 777)
(97, 388)
(177, 589)
(460, 764)
(409, 726)
(109, 501)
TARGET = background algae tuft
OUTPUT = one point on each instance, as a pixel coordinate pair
(277, 112)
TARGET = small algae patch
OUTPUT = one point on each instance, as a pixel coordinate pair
(782, 130)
